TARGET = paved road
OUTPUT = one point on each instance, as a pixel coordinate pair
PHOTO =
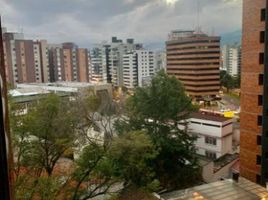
(230, 102)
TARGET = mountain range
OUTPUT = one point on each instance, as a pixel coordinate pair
(226, 38)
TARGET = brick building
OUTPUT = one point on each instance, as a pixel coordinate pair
(254, 93)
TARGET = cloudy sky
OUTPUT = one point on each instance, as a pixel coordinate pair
(91, 21)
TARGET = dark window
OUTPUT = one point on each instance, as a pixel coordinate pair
(259, 120)
(266, 155)
(260, 79)
(258, 162)
(262, 37)
(211, 155)
(263, 13)
(210, 140)
(258, 140)
(211, 125)
(258, 179)
(266, 175)
(260, 100)
(195, 122)
(261, 58)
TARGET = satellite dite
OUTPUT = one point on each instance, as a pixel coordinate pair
(5, 148)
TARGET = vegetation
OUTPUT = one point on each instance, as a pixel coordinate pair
(158, 109)
(228, 81)
(141, 145)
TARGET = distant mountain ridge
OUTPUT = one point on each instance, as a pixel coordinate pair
(232, 37)
(226, 38)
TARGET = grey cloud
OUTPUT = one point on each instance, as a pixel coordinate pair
(91, 21)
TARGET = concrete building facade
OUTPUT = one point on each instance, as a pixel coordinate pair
(194, 58)
(231, 59)
(214, 134)
(138, 68)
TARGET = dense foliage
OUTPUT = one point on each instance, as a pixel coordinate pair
(106, 146)
(228, 81)
(158, 109)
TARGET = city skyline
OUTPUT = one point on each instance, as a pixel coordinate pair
(96, 21)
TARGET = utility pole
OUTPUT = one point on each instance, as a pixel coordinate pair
(5, 143)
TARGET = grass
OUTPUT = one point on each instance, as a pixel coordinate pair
(234, 95)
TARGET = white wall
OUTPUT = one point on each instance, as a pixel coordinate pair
(222, 134)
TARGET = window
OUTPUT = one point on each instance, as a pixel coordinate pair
(258, 179)
(260, 79)
(262, 37)
(260, 100)
(210, 140)
(266, 155)
(258, 160)
(261, 58)
(259, 120)
(258, 140)
(263, 13)
(211, 155)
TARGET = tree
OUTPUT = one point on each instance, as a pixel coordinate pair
(102, 169)
(158, 109)
(131, 155)
(228, 81)
(51, 128)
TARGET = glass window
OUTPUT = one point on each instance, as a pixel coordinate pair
(210, 140)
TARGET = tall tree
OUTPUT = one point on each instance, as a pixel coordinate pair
(158, 109)
(51, 126)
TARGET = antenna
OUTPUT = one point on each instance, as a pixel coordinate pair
(198, 27)
(213, 31)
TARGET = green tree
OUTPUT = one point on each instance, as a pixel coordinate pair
(228, 81)
(131, 155)
(158, 109)
(51, 128)
(102, 169)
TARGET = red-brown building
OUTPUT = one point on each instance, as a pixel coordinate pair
(194, 58)
(254, 93)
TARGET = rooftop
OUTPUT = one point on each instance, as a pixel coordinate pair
(209, 116)
(221, 190)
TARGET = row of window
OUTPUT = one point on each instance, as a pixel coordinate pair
(194, 53)
(194, 64)
(196, 58)
(195, 47)
(193, 42)
(208, 74)
(195, 70)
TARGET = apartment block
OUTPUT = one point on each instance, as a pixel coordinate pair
(130, 70)
(214, 134)
(26, 61)
(138, 68)
(107, 60)
(254, 93)
(194, 59)
(231, 59)
(68, 62)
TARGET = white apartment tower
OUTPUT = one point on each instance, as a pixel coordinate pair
(231, 59)
(130, 70)
(138, 68)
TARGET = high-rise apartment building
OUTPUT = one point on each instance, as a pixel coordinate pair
(26, 61)
(130, 70)
(231, 59)
(254, 92)
(98, 65)
(194, 58)
(161, 61)
(69, 63)
(107, 60)
(138, 68)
